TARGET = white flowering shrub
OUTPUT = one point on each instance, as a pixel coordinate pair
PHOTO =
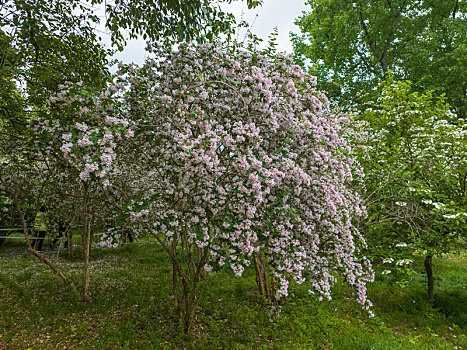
(414, 154)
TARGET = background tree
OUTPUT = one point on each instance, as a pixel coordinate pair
(353, 44)
(44, 45)
(169, 20)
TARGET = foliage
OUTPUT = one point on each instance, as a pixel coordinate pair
(414, 156)
(352, 45)
(169, 20)
(43, 45)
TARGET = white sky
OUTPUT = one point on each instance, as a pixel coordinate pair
(273, 13)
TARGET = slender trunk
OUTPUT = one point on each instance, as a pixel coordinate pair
(91, 235)
(70, 243)
(191, 301)
(259, 274)
(183, 308)
(188, 321)
(185, 285)
(86, 296)
(266, 288)
(177, 307)
(86, 240)
(69, 237)
(69, 231)
(122, 236)
(429, 275)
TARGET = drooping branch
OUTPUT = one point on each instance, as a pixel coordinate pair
(30, 249)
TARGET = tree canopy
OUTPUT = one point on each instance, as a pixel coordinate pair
(169, 19)
(46, 43)
(355, 43)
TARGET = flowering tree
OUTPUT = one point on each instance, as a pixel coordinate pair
(25, 176)
(64, 160)
(414, 154)
(241, 160)
(87, 151)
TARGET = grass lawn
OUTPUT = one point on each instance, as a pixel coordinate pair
(131, 308)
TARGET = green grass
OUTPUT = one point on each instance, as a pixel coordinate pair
(132, 309)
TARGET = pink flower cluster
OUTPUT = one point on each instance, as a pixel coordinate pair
(89, 144)
(246, 157)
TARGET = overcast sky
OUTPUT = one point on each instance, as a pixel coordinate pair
(273, 13)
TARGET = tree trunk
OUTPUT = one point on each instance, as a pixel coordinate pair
(186, 283)
(266, 288)
(185, 298)
(429, 275)
(177, 301)
(86, 296)
(70, 243)
(190, 306)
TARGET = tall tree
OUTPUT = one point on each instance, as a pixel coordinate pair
(354, 43)
(48, 42)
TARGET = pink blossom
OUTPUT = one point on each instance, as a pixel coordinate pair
(80, 126)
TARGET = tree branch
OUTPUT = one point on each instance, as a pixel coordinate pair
(30, 249)
(456, 6)
(33, 38)
(383, 61)
(367, 34)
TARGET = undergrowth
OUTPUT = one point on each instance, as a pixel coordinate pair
(132, 309)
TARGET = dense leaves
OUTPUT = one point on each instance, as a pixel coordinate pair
(43, 45)
(169, 19)
(353, 44)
